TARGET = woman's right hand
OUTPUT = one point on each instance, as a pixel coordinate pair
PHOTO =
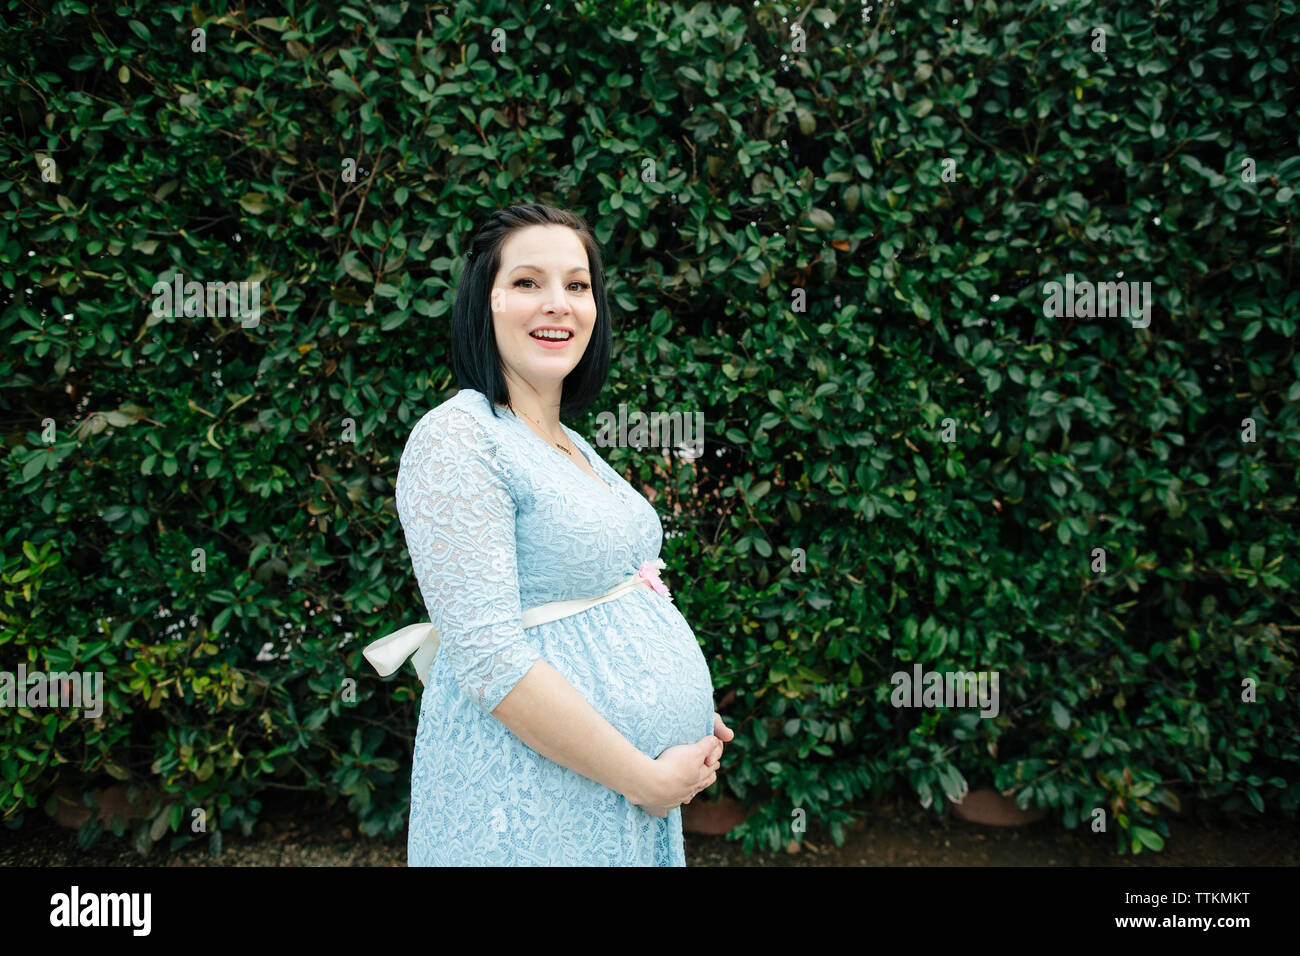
(680, 773)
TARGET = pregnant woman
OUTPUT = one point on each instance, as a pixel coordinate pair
(567, 710)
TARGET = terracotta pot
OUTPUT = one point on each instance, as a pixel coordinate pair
(992, 809)
(72, 813)
(713, 817)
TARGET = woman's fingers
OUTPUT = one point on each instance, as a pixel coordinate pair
(721, 733)
(714, 758)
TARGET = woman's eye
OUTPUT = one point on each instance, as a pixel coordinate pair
(574, 282)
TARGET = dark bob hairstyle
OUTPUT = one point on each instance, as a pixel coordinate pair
(474, 356)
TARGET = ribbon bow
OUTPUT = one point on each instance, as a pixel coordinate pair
(650, 575)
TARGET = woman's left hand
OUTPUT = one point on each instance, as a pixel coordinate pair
(723, 733)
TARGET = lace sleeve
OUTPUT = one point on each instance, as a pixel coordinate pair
(454, 502)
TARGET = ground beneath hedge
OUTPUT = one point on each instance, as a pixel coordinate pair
(895, 833)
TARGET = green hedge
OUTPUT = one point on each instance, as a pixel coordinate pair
(833, 244)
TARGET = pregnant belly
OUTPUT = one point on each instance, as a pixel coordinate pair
(644, 673)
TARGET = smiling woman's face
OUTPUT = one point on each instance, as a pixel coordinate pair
(542, 281)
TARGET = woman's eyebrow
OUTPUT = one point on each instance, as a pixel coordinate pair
(540, 269)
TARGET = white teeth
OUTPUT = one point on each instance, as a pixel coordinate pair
(558, 336)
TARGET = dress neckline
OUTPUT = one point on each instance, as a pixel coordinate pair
(572, 437)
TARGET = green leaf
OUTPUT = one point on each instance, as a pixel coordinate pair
(1149, 838)
(356, 269)
(821, 219)
(159, 826)
(1060, 716)
(341, 81)
(255, 203)
(1256, 800)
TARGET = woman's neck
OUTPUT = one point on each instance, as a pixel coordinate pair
(545, 421)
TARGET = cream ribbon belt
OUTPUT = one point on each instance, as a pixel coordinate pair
(419, 642)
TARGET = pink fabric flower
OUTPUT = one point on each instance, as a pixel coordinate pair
(650, 575)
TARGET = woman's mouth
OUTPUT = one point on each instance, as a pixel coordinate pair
(551, 338)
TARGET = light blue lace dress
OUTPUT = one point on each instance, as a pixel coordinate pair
(498, 520)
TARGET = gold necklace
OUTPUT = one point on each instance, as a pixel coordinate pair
(555, 443)
(566, 451)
